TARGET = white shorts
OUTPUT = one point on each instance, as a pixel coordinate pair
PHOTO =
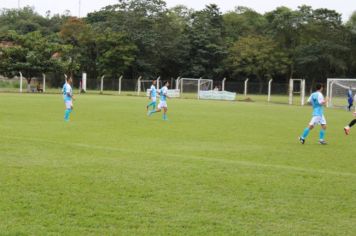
(153, 99)
(162, 104)
(318, 120)
(69, 104)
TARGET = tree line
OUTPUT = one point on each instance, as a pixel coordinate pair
(146, 38)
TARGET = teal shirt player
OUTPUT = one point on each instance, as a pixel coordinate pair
(317, 100)
(163, 93)
(67, 89)
(153, 91)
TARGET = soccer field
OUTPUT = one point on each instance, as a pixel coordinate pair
(215, 168)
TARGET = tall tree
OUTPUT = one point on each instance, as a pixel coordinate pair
(78, 34)
(322, 49)
(31, 54)
(207, 45)
(284, 26)
(258, 57)
(137, 19)
(351, 26)
(243, 21)
(115, 53)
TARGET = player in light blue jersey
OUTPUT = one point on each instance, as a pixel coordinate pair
(317, 101)
(153, 96)
(163, 101)
(68, 98)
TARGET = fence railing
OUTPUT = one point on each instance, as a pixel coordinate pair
(116, 86)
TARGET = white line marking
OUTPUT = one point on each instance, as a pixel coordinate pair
(190, 157)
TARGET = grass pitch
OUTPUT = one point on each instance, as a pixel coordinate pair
(215, 168)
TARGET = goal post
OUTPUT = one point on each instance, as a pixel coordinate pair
(295, 90)
(192, 86)
(337, 89)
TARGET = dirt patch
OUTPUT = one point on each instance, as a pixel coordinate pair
(246, 100)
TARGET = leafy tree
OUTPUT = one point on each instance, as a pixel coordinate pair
(351, 26)
(115, 53)
(284, 26)
(77, 33)
(144, 37)
(323, 45)
(24, 21)
(207, 45)
(172, 44)
(30, 54)
(259, 57)
(243, 22)
(136, 19)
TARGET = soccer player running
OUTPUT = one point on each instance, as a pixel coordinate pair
(352, 123)
(153, 96)
(350, 98)
(163, 101)
(317, 101)
(68, 98)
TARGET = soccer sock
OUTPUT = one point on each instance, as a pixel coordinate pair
(164, 116)
(322, 134)
(152, 104)
(352, 123)
(66, 114)
(305, 133)
(70, 111)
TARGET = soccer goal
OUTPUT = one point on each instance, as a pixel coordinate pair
(297, 88)
(190, 87)
(144, 85)
(336, 91)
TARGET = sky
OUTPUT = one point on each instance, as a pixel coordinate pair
(345, 7)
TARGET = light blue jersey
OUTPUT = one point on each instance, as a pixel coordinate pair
(67, 92)
(153, 91)
(317, 101)
(163, 93)
(349, 94)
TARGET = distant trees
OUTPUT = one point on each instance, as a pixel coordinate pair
(259, 57)
(136, 37)
(31, 53)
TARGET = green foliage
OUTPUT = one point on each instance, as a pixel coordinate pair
(115, 53)
(243, 22)
(24, 21)
(257, 56)
(207, 45)
(145, 38)
(30, 54)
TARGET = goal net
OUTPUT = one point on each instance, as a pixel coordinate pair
(190, 87)
(337, 90)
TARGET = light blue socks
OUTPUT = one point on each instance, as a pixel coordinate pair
(306, 133)
(66, 114)
(153, 105)
(322, 134)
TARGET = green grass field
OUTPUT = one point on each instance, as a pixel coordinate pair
(215, 168)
